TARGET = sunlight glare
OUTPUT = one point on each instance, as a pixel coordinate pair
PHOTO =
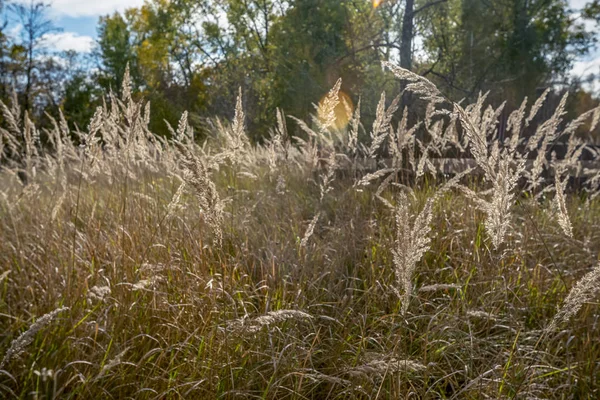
(343, 111)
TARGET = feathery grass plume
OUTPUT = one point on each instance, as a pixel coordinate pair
(381, 125)
(451, 132)
(18, 345)
(412, 242)
(2, 145)
(547, 130)
(4, 275)
(281, 139)
(396, 140)
(9, 139)
(12, 116)
(500, 168)
(424, 162)
(595, 119)
(435, 128)
(317, 376)
(368, 178)
(236, 140)
(281, 186)
(402, 138)
(486, 121)
(537, 106)
(560, 202)
(272, 317)
(583, 292)
(197, 178)
(326, 111)
(56, 139)
(438, 287)
(309, 152)
(142, 284)
(580, 120)
(31, 140)
(98, 293)
(278, 146)
(547, 133)
(310, 230)
(238, 120)
(382, 367)
(354, 126)
(90, 139)
(534, 176)
(417, 84)
(386, 183)
(112, 363)
(182, 127)
(327, 176)
(476, 137)
(175, 202)
(514, 125)
(61, 198)
(310, 132)
(497, 210)
(126, 86)
(147, 113)
(324, 120)
(483, 315)
(575, 147)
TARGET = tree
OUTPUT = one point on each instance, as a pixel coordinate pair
(115, 52)
(407, 35)
(4, 52)
(592, 10)
(511, 48)
(80, 94)
(36, 25)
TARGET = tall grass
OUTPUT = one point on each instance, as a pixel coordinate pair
(343, 264)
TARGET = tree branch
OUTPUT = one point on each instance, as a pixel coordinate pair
(427, 5)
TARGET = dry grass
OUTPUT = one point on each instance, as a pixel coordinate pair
(134, 267)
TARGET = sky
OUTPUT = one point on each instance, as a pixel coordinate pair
(78, 20)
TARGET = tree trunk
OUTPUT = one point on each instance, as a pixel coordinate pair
(406, 37)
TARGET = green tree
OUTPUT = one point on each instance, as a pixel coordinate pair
(115, 51)
(511, 47)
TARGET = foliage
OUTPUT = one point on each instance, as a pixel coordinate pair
(193, 55)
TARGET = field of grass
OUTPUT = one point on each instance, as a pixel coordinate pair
(135, 267)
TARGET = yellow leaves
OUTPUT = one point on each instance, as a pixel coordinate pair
(153, 59)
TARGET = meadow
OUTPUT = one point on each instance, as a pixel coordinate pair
(338, 266)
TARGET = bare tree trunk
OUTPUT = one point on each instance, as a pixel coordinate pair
(406, 36)
(29, 76)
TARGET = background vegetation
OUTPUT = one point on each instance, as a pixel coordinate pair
(193, 55)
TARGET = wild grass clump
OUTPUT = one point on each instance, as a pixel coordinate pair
(346, 263)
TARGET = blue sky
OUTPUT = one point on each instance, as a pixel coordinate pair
(83, 26)
(78, 19)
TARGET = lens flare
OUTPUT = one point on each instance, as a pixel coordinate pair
(343, 111)
(377, 3)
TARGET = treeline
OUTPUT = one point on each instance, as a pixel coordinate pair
(194, 55)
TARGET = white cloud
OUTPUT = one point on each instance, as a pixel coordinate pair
(89, 8)
(64, 41)
(15, 30)
(578, 4)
